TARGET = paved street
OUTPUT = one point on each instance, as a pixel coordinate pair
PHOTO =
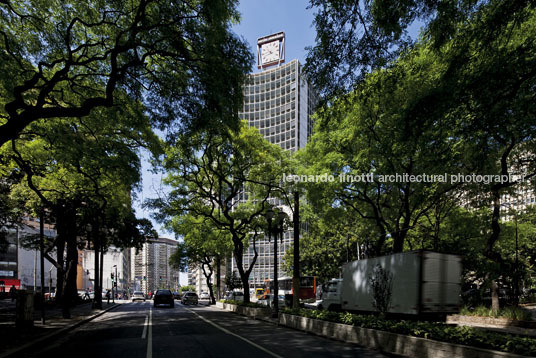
(139, 330)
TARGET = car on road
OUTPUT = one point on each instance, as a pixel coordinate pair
(138, 296)
(267, 300)
(176, 295)
(204, 296)
(189, 298)
(235, 296)
(163, 297)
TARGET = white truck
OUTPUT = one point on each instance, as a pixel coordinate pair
(423, 282)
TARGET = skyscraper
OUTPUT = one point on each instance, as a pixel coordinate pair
(278, 101)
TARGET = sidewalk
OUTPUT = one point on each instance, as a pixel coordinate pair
(15, 339)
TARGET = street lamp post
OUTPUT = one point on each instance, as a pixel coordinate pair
(278, 230)
(269, 217)
(113, 284)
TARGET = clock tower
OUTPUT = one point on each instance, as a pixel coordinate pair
(271, 50)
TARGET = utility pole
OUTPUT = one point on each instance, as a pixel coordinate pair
(42, 262)
(296, 268)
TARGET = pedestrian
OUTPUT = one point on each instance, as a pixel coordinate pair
(13, 293)
(108, 295)
(86, 295)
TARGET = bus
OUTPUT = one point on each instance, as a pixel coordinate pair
(307, 286)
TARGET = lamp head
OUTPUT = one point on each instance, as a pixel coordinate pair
(269, 214)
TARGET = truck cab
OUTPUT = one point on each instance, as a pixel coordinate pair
(331, 295)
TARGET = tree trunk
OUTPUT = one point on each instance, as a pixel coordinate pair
(60, 248)
(207, 280)
(242, 273)
(101, 274)
(494, 296)
(218, 277)
(70, 292)
(97, 288)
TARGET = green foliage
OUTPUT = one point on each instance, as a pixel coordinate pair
(232, 281)
(187, 288)
(207, 173)
(381, 284)
(331, 239)
(64, 59)
(437, 331)
(515, 313)
(356, 38)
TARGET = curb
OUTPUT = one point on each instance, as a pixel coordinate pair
(399, 344)
(55, 333)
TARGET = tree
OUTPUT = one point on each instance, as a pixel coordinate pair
(203, 245)
(379, 141)
(227, 179)
(332, 238)
(357, 38)
(381, 284)
(64, 60)
(82, 173)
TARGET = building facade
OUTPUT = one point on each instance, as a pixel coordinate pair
(20, 264)
(115, 261)
(279, 102)
(150, 269)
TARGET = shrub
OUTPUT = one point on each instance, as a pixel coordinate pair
(515, 313)
(381, 282)
(433, 330)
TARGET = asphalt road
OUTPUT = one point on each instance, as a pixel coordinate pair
(139, 330)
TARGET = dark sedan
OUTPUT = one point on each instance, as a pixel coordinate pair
(163, 297)
(189, 297)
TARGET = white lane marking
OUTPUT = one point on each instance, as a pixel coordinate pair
(150, 336)
(234, 334)
(144, 335)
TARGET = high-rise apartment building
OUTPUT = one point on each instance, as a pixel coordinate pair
(279, 101)
(150, 266)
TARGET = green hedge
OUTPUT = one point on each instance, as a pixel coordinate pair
(469, 336)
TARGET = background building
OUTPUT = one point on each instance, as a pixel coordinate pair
(114, 258)
(20, 265)
(280, 102)
(150, 269)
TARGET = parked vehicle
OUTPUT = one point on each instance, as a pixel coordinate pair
(204, 296)
(138, 296)
(235, 296)
(259, 292)
(163, 297)
(189, 298)
(308, 286)
(268, 300)
(423, 282)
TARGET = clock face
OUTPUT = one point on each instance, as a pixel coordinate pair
(270, 52)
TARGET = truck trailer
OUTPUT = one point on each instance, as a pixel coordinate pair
(422, 282)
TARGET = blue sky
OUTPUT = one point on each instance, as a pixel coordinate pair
(259, 18)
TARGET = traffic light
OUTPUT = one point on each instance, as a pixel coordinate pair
(115, 284)
(144, 278)
(160, 278)
(112, 276)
